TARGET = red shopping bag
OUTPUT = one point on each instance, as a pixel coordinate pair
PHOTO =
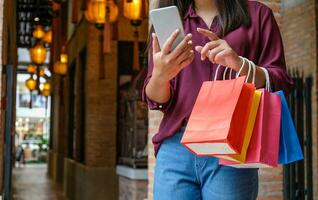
(264, 146)
(219, 118)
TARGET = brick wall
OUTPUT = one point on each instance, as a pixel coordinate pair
(97, 174)
(1, 127)
(300, 39)
(154, 122)
(101, 104)
(298, 30)
(271, 180)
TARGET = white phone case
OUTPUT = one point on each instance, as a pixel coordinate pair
(165, 21)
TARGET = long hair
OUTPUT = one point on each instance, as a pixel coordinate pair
(232, 13)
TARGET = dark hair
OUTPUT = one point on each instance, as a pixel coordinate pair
(233, 13)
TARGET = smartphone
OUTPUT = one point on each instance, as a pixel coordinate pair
(165, 21)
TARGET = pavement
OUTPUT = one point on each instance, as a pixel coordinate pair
(30, 182)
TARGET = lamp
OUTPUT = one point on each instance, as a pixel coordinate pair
(38, 54)
(46, 90)
(98, 9)
(42, 72)
(135, 11)
(64, 58)
(38, 32)
(31, 85)
(48, 37)
(60, 68)
(102, 13)
(31, 69)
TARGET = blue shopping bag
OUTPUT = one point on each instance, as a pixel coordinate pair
(289, 146)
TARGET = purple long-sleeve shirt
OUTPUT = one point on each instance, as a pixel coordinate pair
(260, 42)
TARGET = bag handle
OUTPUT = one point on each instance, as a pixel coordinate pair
(224, 74)
(253, 66)
(268, 83)
(216, 72)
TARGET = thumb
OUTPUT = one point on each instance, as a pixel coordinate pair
(155, 44)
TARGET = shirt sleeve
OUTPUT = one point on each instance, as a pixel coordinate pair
(153, 105)
(272, 52)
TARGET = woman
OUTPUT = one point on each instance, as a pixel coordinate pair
(218, 33)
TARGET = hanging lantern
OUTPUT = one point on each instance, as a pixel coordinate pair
(31, 69)
(64, 58)
(46, 90)
(48, 37)
(112, 8)
(42, 72)
(97, 10)
(60, 68)
(135, 10)
(38, 54)
(30, 84)
(38, 32)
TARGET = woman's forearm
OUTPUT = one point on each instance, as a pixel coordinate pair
(158, 91)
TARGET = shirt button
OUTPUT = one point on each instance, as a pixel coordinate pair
(160, 106)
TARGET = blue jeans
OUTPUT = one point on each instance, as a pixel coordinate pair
(180, 175)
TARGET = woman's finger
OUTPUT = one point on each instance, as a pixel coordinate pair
(221, 54)
(212, 36)
(215, 52)
(208, 47)
(168, 44)
(155, 44)
(184, 56)
(187, 61)
(185, 44)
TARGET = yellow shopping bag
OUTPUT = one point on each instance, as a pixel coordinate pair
(248, 132)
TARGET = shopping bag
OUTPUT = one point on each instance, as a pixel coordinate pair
(250, 124)
(289, 146)
(264, 145)
(216, 124)
(249, 130)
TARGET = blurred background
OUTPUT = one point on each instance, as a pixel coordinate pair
(72, 124)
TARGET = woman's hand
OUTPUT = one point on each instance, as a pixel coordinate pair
(167, 63)
(218, 51)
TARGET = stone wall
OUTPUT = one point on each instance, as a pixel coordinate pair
(132, 189)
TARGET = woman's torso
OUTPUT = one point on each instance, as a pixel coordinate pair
(245, 41)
